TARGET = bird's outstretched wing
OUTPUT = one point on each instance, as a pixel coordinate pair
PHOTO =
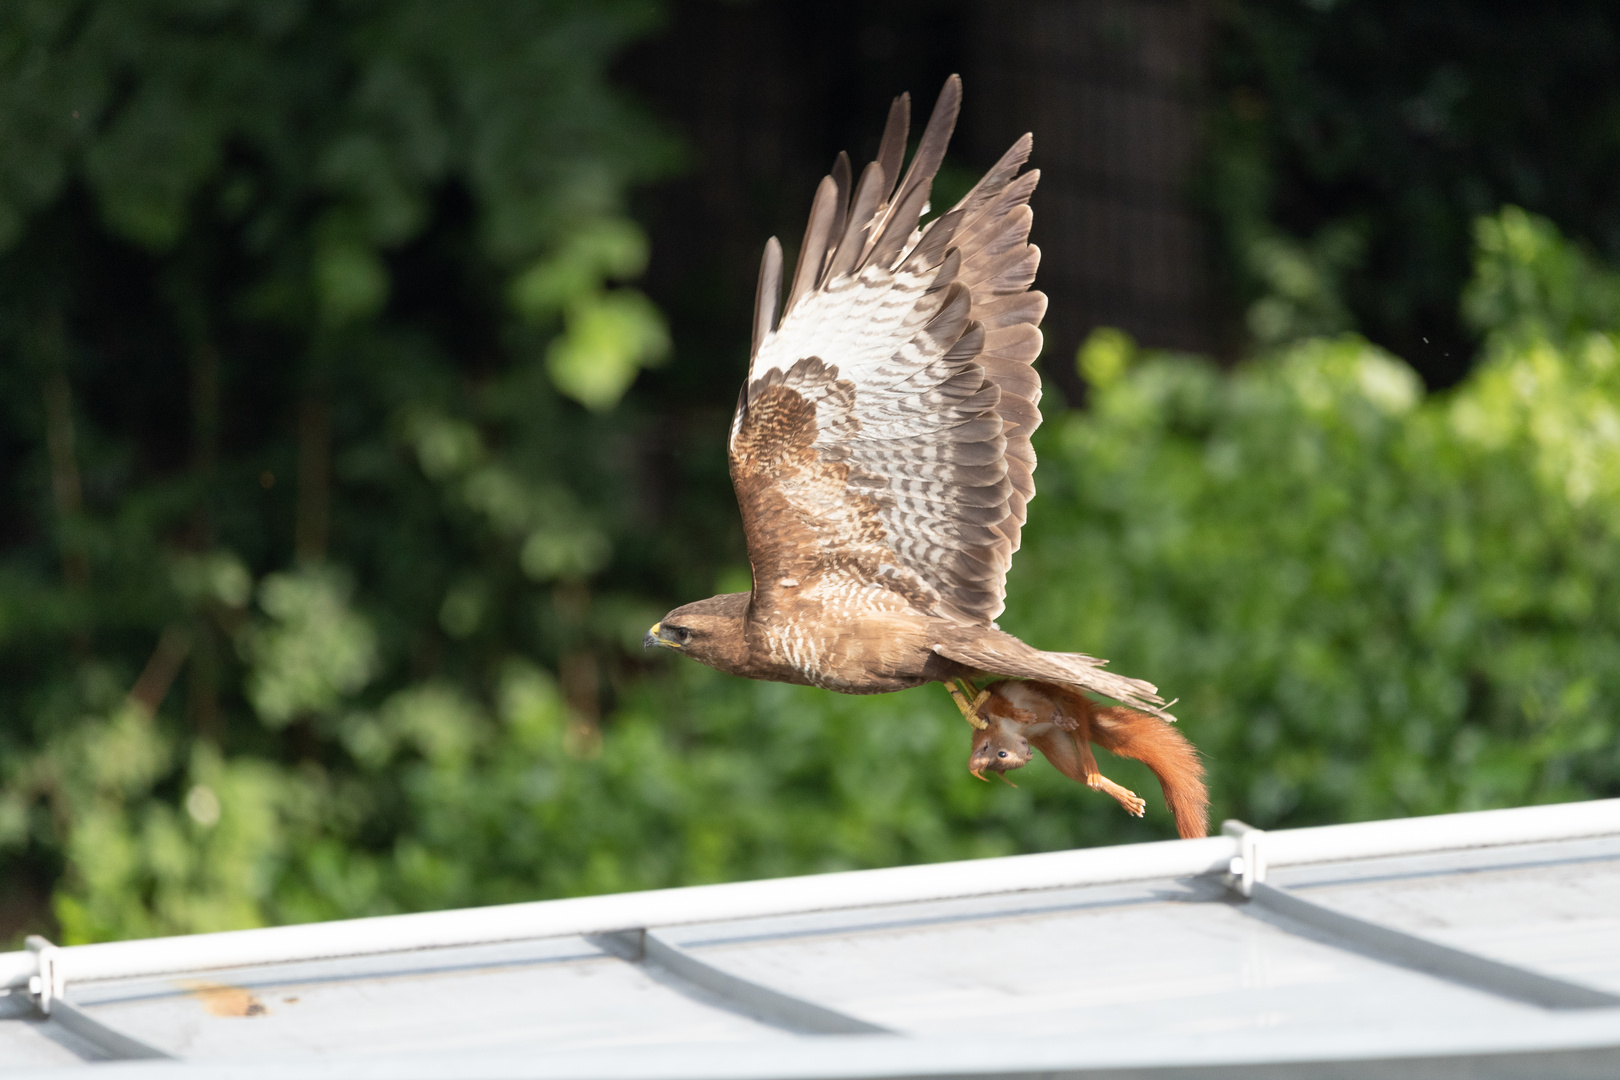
(881, 442)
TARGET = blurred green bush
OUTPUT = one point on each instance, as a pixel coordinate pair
(355, 629)
(1373, 604)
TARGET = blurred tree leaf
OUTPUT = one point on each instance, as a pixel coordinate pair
(609, 338)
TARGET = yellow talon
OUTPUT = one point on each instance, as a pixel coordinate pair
(970, 709)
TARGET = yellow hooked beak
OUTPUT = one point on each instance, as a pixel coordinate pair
(654, 639)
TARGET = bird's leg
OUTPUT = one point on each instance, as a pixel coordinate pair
(959, 690)
(978, 699)
(969, 713)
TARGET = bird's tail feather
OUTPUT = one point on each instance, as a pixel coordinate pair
(998, 653)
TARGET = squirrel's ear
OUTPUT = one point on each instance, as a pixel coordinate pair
(1006, 781)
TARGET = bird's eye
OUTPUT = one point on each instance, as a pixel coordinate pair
(682, 634)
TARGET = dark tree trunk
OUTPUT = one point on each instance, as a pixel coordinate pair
(767, 93)
(1113, 91)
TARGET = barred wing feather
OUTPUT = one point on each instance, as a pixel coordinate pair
(881, 444)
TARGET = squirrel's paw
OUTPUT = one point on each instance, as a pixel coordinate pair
(1133, 803)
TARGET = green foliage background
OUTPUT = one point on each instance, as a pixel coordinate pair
(1354, 142)
(328, 540)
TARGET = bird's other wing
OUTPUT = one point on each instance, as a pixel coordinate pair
(882, 436)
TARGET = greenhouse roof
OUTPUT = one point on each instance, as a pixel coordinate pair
(1467, 944)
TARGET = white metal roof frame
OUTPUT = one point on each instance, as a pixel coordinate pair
(817, 892)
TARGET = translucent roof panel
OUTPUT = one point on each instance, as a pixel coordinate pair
(447, 1000)
(1481, 943)
(1168, 960)
(1480, 903)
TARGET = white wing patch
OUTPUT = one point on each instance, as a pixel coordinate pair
(918, 417)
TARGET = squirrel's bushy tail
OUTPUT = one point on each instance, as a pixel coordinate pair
(1156, 744)
(1167, 752)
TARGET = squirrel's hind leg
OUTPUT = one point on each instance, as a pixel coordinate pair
(1071, 753)
(1133, 803)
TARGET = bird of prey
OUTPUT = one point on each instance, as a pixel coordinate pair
(880, 449)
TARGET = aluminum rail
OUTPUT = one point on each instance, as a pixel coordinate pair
(1442, 832)
(802, 895)
(117, 1045)
(675, 966)
(1419, 953)
(1257, 853)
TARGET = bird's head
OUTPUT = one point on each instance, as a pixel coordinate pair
(999, 748)
(709, 631)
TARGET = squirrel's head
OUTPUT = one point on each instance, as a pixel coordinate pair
(999, 747)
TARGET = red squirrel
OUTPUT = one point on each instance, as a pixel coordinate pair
(1061, 723)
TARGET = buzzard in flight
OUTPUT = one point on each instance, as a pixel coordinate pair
(880, 449)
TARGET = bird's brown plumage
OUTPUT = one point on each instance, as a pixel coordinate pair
(881, 444)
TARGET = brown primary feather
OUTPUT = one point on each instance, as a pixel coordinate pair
(892, 147)
(881, 445)
(843, 184)
(824, 218)
(868, 196)
(936, 137)
(767, 293)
